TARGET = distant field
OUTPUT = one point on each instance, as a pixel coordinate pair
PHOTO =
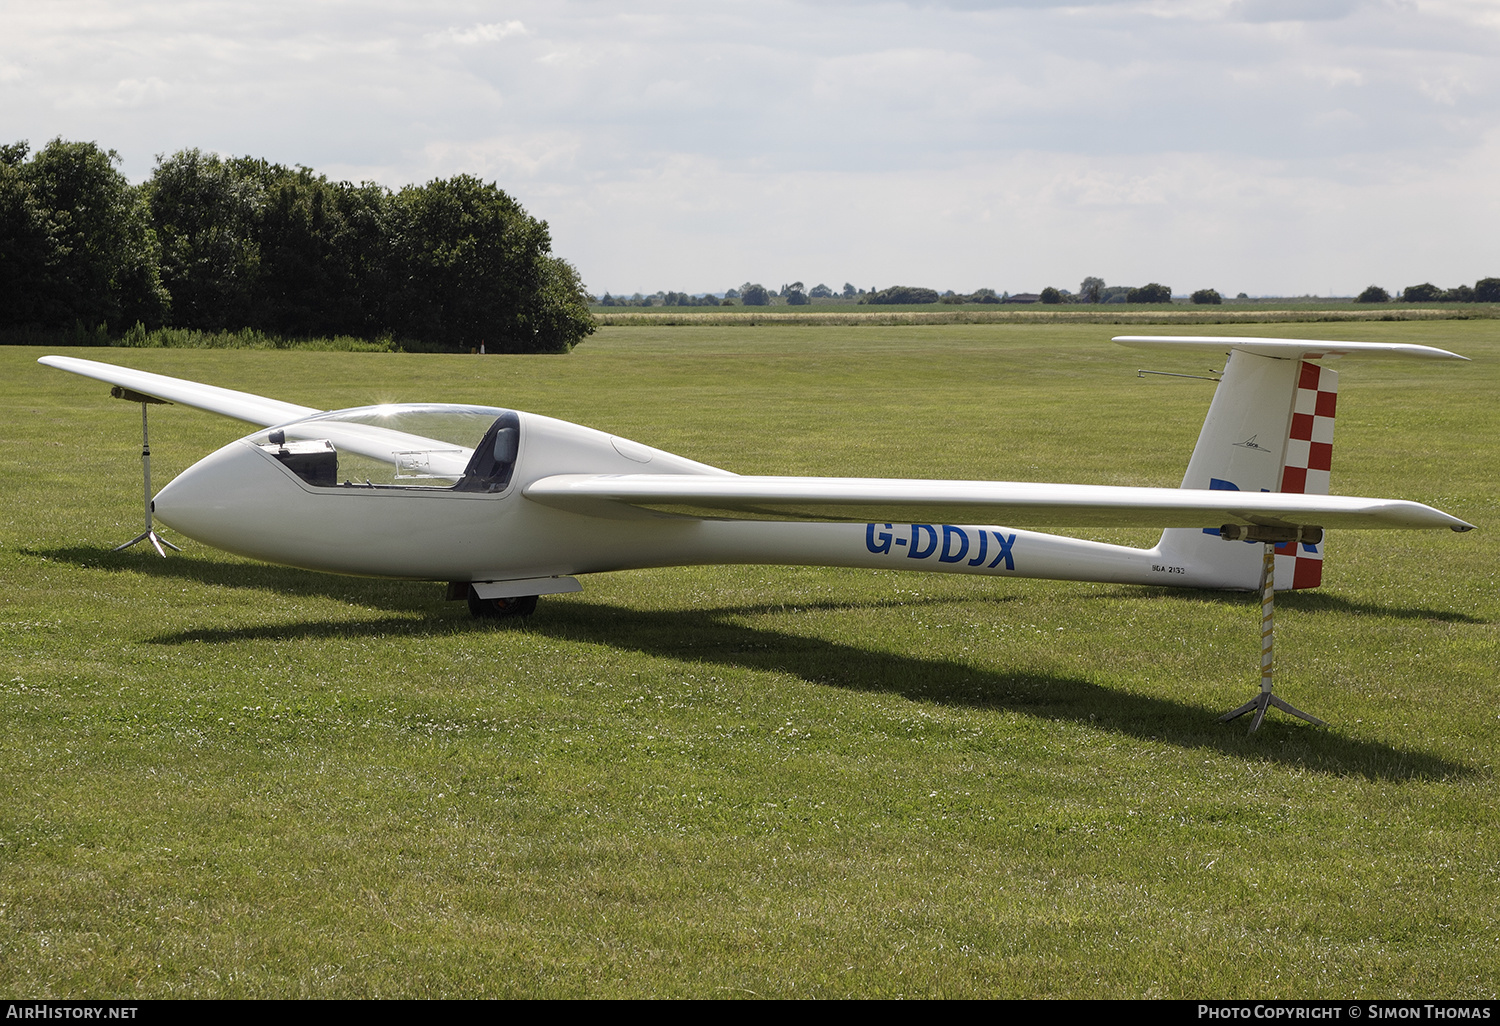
(1246, 312)
(224, 779)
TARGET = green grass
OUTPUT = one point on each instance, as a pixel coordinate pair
(220, 778)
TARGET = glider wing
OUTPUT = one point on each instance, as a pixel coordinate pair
(363, 439)
(253, 409)
(1015, 504)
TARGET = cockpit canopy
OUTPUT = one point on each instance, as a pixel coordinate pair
(408, 445)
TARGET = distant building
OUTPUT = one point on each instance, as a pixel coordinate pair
(1023, 297)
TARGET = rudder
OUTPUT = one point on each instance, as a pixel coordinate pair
(1306, 467)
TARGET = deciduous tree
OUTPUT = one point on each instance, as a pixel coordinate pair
(469, 266)
(1427, 292)
(1150, 293)
(902, 295)
(77, 243)
(204, 211)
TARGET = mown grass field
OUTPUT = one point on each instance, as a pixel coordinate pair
(220, 778)
(826, 313)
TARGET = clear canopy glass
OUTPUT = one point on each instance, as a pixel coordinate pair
(432, 445)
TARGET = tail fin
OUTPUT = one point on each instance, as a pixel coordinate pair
(1269, 429)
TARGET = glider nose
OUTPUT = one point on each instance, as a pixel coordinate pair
(214, 497)
(177, 504)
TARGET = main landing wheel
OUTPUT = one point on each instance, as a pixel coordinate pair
(501, 608)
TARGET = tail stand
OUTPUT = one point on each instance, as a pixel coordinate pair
(1261, 702)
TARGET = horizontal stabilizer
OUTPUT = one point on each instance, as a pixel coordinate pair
(1015, 504)
(1286, 348)
(253, 409)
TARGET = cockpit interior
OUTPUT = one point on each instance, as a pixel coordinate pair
(436, 447)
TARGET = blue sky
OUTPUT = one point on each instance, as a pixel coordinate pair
(1265, 146)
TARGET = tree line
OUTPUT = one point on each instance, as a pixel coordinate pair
(220, 244)
(1485, 290)
(1091, 290)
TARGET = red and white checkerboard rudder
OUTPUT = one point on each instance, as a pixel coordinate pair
(1306, 467)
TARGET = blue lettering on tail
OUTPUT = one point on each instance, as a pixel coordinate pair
(1219, 485)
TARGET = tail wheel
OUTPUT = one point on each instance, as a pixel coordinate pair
(501, 608)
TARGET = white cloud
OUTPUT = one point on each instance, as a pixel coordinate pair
(1033, 219)
(530, 158)
(135, 92)
(1293, 10)
(676, 145)
(490, 33)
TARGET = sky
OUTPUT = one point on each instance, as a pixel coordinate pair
(1273, 147)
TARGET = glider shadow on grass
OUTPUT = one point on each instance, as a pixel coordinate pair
(401, 596)
(719, 635)
(1301, 602)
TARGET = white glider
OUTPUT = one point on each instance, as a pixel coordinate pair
(506, 506)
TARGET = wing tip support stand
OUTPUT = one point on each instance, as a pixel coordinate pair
(149, 534)
(1265, 700)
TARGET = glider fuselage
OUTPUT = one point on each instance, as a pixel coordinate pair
(246, 500)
